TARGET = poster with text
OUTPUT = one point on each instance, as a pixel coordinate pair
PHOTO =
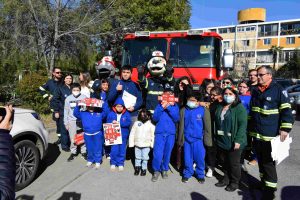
(112, 133)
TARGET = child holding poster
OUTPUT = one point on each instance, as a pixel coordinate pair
(120, 115)
(92, 118)
(142, 138)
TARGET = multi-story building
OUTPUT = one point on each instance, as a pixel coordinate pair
(253, 38)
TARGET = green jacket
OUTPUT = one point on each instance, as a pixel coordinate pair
(237, 124)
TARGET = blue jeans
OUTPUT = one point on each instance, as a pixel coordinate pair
(141, 156)
(64, 134)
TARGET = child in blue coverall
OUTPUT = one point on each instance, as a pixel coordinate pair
(194, 126)
(121, 115)
(166, 115)
(92, 120)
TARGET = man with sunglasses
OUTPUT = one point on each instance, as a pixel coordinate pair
(270, 115)
(47, 90)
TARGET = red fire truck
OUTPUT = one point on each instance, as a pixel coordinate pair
(192, 53)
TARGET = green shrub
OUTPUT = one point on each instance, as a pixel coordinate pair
(27, 90)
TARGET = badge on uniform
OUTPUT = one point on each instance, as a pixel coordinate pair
(284, 92)
(269, 98)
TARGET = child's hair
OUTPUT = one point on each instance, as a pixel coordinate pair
(75, 85)
(218, 90)
(147, 112)
(196, 94)
(126, 67)
(104, 81)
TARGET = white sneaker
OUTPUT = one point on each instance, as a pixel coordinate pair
(209, 173)
(97, 165)
(121, 168)
(88, 164)
(108, 158)
(113, 167)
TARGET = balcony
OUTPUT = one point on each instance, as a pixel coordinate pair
(294, 31)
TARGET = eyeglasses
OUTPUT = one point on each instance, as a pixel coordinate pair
(57, 72)
(261, 75)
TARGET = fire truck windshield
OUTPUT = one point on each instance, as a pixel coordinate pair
(195, 52)
(137, 52)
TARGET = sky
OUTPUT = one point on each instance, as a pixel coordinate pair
(211, 13)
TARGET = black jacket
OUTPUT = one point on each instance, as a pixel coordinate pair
(59, 97)
(7, 166)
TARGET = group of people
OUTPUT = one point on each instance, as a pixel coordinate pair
(205, 128)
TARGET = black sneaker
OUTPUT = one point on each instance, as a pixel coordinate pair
(221, 184)
(155, 176)
(231, 188)
(143, 172)
(201, 180)
(72, 156)
(184, 180)
(66, 149)
(137, 170)
(164, 174)
(84, 156)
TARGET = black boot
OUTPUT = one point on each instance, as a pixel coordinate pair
(143, 172)
(155, 176)
(137, 171)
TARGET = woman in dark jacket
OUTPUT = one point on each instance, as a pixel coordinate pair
(57, 104)
(231, 138)
(7, 158)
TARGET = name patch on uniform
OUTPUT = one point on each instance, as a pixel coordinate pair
(220, 132)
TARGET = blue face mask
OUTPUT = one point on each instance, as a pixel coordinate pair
(229, 99)
(192, 104)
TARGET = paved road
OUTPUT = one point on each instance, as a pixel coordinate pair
(61, 180)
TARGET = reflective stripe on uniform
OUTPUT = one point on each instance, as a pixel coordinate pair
(286, 125)
(146, 83)
(260, 137)
(155, 92)
(45, 95)
(285, 105)
(270, 184)
(41, 88)
(265, 112)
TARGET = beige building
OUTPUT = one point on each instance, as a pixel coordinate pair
(253, 37)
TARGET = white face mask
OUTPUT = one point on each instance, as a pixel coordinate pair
(229, 99)
(76, 93)
(192, 104)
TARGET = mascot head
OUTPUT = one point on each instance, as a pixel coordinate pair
(157, 64)
(106, 67)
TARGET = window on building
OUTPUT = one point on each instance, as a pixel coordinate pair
(213, 30)
(290, 40)
(268, 30)
(246, 43)
(267, 41)
(226, 44)
(223, 30)
(290, 28)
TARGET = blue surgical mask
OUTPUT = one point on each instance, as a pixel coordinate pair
(229, 99)
(192, 104)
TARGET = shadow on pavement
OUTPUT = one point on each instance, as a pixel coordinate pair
(290, 193)
(197, 196)
(24, 197)
(49, 159)
(70, 196)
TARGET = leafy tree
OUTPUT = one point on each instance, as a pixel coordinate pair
(292, 68)
(275, 50)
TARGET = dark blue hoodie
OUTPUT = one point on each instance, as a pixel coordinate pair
(125, 120)
(130, 87)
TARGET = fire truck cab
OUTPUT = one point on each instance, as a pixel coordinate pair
(192, 53)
